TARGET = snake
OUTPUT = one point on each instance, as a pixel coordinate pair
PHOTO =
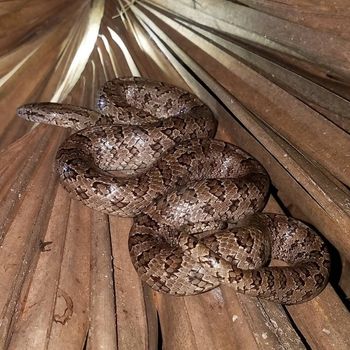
(148, 151)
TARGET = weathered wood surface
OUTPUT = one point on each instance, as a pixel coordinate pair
(66, 276)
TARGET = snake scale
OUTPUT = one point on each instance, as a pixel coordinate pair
(149, 153)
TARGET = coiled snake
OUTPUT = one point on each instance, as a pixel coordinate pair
(149, 154)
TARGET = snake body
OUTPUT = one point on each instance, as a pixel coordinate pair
(149, 153)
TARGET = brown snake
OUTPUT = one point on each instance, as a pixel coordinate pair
(149, 154)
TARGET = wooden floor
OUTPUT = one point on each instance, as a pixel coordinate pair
(277, 76)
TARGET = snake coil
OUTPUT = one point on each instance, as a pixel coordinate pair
(149, 153)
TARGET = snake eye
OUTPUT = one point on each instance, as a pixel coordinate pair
(101, 103)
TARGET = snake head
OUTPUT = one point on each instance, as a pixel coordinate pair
(26, 111)
(64, 115)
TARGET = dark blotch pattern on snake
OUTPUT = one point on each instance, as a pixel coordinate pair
(149, 153)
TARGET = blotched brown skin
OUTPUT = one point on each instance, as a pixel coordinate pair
(148, 153)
